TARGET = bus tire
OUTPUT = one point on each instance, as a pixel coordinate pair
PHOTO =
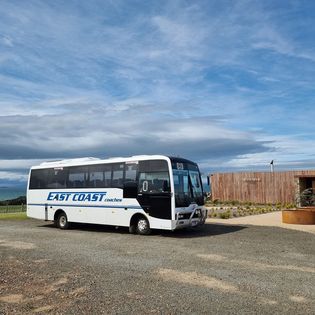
(62, 221)
(132, 229)
(143, 226)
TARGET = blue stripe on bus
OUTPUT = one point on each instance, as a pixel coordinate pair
(79, 192)
(82, 206)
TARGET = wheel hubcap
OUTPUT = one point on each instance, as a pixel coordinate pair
(62, 221)
(142, 225)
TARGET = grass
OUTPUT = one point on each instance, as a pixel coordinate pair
(19, 216)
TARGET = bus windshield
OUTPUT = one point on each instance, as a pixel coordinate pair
(187, 184)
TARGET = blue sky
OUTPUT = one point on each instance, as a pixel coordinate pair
(229, 84)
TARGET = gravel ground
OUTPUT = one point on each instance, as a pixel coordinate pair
(222, 269)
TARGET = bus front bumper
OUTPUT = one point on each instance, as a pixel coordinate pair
(191, 219)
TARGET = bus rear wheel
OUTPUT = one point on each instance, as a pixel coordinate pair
(143, 226)
(62, 221)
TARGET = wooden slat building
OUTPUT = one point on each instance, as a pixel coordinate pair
(262, 187)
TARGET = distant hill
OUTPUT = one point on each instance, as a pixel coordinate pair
(16, 201)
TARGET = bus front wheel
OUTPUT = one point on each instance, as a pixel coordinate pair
(143, 226)
(62, 221)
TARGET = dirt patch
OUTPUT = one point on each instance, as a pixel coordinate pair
(41, 261)
(78, 291)
(55, 285)
(196, 279)
(44, 309)
(12, 298)
(17, 244)
(31, 287)
(257, 265)
(212, 257)
(298, 299)
(268, 301)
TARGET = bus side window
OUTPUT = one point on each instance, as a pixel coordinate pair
(48, 178)
(107, 175)
(39, 179)
(100, 176)
(96, 176)
(57, 178)
(156, 175)
(77, 177)
(118, 175)
(131, 171)
(154, 182)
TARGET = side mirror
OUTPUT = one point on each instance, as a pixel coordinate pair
(130, 190)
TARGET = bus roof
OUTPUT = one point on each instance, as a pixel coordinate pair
(92, 160)
(181, 160)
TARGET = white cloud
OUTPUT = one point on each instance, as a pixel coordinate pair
(287, 152)
(117, 128)
(77, 82)
(18, 164)
(13, 176)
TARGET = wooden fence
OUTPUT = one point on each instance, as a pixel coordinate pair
(258, 187)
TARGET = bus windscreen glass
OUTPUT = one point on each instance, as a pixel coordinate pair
(187, 183)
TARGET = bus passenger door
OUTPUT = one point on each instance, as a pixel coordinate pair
(154, 194)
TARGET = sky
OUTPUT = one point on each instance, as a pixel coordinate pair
(228, 84)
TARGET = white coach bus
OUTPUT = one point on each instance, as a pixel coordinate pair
(139, 192)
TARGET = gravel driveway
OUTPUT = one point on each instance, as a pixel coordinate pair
(223, 269)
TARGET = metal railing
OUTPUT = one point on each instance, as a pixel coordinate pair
(12, 208)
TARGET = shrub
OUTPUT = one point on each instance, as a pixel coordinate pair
(279, 205)
(225, 215)
(308, 197)
(290, 206)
